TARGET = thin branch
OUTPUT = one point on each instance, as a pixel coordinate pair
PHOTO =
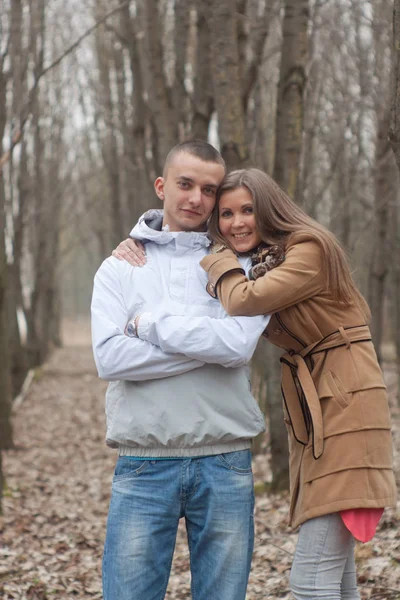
(26, 111)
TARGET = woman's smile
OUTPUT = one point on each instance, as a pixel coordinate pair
(236, 220)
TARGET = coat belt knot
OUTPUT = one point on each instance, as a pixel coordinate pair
(298, 388)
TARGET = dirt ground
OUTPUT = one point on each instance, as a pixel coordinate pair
(58, 486)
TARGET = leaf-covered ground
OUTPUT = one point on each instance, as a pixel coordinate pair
(58, 485)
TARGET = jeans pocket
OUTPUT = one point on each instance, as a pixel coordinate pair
(239, 461)
(129, 467)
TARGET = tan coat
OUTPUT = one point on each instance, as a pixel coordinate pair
(335, 400)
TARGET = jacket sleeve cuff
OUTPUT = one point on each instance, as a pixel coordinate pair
(217, 266)
(145, 321)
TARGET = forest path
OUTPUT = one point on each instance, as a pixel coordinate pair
(55, 505)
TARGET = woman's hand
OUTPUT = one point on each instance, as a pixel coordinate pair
(132, 251)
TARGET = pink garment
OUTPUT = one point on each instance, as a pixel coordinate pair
(362, 522)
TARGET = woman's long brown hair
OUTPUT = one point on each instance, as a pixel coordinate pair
(277, 217)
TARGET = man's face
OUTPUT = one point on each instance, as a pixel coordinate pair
(188, 192)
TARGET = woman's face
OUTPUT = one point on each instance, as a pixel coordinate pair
(236, 220)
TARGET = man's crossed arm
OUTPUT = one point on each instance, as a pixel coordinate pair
(171, 344)
(229, 341)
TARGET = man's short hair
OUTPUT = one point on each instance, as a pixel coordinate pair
(199, 148)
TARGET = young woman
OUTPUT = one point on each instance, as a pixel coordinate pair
(335, 401)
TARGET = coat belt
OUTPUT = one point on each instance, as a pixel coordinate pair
(299, 391)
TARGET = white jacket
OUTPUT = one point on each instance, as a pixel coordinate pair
(181, 390)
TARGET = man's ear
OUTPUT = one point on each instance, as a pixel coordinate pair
(159, 187)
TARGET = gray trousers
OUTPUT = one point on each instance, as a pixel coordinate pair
(323, 565)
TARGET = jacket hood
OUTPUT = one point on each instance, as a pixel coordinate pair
(149, 229)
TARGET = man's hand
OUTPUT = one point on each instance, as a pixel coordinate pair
(131, 329)
(132, 251)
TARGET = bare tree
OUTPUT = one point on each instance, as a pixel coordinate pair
(5, 383)
(395, 119)
(385, 197)
(142, 190)
(386, 181)
(289, 131)
(225, 69)
(289, 120)
(394, 137)
(159, 95)
(106, 54)
(19, 191)
(202, 98)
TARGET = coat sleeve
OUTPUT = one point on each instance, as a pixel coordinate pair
(298, 278)
(228, 341)
(116, 355)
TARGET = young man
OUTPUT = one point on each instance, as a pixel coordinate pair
(182, 423)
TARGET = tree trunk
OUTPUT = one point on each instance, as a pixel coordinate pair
(256, 38)
(266, 365)
(43, 226)
(164, 118)
(143, 193)
(394, 132)
(203, 101)
(394, 137)
(181, 34)
(109, 146)
(385, 194)
(50, 312)
(5, 387)
(127, 184)
(5, 381)
(263, 113)
(17, 353)
(340, 215)
(278, 433)
(289, 129)
(19, 187)
(289, 122)
(226, 78)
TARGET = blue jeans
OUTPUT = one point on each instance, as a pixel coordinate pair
(215, 496)
(323, 565)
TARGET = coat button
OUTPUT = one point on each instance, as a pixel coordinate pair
(277, 331)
